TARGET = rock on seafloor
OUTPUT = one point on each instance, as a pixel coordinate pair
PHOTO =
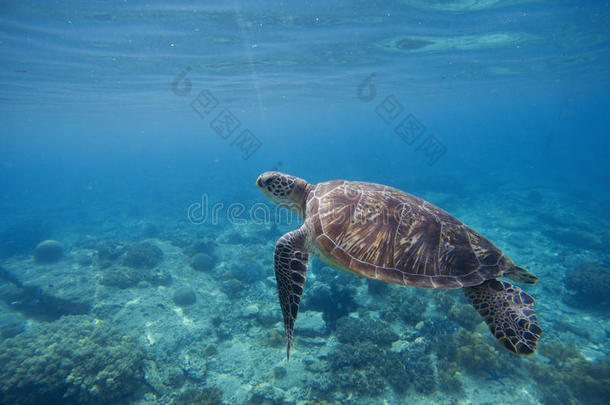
(48, 251)
(311, 324)
(184, 297)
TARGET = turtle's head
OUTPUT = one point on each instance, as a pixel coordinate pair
(284, 189)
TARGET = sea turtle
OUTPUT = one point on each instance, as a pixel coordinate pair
(383, 233)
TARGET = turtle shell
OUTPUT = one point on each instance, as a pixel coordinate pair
(383, 233)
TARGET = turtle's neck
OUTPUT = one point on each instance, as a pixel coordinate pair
(299, 195)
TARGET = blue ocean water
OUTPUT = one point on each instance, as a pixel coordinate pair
(132, 136)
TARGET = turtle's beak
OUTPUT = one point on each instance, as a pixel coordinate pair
(259, 182)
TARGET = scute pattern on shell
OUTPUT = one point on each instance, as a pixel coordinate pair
(383, 233)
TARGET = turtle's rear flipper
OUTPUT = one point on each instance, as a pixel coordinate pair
(509, 313)
(290, 262)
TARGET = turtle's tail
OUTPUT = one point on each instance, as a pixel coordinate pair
(520, 275)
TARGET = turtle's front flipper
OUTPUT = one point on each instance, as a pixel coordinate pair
(509, 314)
(290, 269)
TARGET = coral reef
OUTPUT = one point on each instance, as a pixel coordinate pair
(223, 329)
(142, 255)
(48, 251)
(184, 296)
(465, 315)
(409, 305)
(267, 394)
(355, 355)
(85, 260)
(366, 368)
(589, 284)
(437, 328)
(422, 373)
(366, 361)
(205, 396)
(161, 375)
(444, 300)
(357, 368)
(590, 380)
(210, 350)
(353, 330)
(396, 373)
(247, 272)
(569, 378)
(194, 362)
(203, 262)
(76, 359)
(311, 323)
(376, 287)
(108, 252)
(332, 294)
(275, 338)
(243, 265)
(202, 246)
(267, 316)
(463, 350)
(127, 277)
(560, 354)
(279, 372)
(233, 287)
(471, 351)
(356, 340)
(448, 379)
(235, 238)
